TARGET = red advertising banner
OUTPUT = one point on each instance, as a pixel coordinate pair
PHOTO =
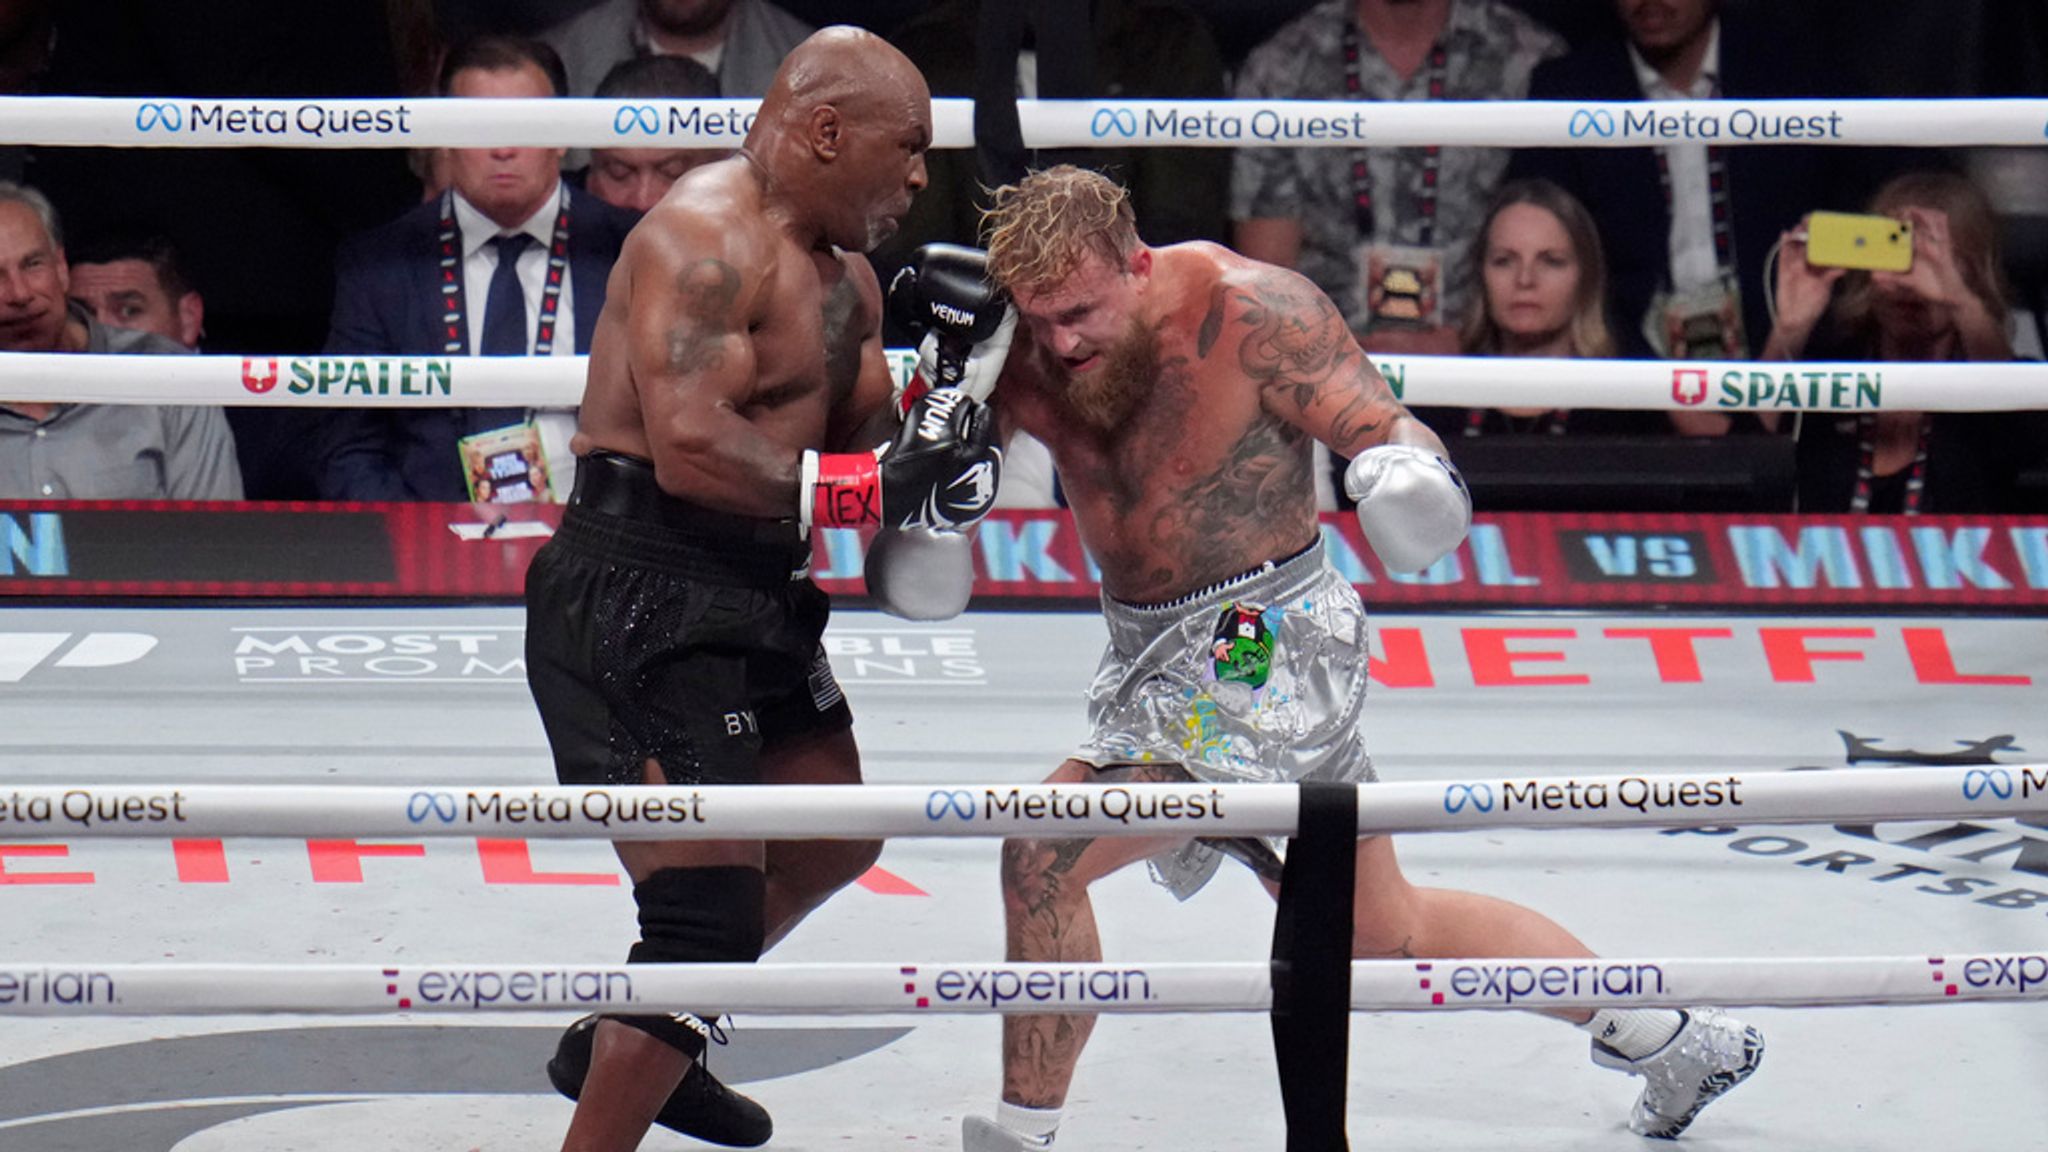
(1533, 560)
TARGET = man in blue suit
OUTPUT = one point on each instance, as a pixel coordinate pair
(508, 261)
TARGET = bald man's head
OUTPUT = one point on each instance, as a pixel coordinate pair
(842, 132)
(848, 68)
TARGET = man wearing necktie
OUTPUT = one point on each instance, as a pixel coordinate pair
(508, 261)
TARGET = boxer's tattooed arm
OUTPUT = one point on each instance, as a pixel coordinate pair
(1309, 371)
(707, 291)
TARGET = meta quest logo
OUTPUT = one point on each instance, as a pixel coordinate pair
(1993, 863)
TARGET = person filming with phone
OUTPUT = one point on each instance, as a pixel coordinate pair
(1917, 279)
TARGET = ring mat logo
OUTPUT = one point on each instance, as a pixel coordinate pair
(23, 653)
(163, 1091)
(1996, 863)
(1973, 753)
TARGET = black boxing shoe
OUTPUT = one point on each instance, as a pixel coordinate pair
(700, 1107)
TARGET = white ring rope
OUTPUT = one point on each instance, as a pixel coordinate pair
(189, 122)
(919, 988)
(1449, 381)
(797, 812)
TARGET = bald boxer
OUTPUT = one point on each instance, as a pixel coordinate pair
(737, 397)
(1180, 391)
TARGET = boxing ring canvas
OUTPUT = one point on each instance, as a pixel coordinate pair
(435, 696)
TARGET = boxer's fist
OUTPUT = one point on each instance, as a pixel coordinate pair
(945, 293)
(1412, 504)
(918, 574)
(940, 472)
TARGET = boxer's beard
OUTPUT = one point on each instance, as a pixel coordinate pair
(1106, 397)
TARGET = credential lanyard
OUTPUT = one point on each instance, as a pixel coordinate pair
(1720, 208)
(1866, 468)
(1361, 173)
(455, 293)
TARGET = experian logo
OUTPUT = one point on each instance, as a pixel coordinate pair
(1512, 983)
(1058, 987)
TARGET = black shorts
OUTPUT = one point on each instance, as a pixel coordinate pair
(659, 631)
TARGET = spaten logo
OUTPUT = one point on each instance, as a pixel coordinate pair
(1689, 386)
(259, 376)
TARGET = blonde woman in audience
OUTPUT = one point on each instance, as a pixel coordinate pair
(1542, 293)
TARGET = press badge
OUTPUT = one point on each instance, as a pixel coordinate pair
(505, 465)
(1403, 286)
(1703, 323)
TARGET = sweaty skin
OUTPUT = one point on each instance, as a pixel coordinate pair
(1209, 474)
(733, 344)
(742, 324)
(741, 328)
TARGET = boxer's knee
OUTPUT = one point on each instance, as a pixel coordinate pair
(807, 871)
(707, 915)
(1036, 873)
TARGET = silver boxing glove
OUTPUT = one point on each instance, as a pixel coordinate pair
(1412, 504)
(919, 574)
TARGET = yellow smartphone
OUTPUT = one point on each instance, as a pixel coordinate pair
(1848, 240)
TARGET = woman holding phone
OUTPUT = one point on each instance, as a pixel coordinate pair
(1947, 305)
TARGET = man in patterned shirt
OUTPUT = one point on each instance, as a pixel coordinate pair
(1383, 231)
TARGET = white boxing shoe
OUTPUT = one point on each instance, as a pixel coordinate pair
(1711, 1053)
(980, 1134)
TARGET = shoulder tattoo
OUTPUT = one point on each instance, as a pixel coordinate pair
(708, 290)
(1299, 352)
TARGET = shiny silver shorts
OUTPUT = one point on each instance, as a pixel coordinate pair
(1258, 679)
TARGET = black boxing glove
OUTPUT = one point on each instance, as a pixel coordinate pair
(945, 293)
(940, 472)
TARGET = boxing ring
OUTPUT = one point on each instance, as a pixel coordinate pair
(380, 953)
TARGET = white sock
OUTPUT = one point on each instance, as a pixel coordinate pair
(1634, 1032)
(1036, 1125)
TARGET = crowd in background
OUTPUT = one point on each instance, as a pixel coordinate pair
(1686, 251)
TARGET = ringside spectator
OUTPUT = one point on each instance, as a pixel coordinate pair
(741, 41)
(1383, 231)
(524, 274)
(1542, 279)
(132, 281)
(637, 178)
(51, 449)
(1687, 225)
(1949, 306)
